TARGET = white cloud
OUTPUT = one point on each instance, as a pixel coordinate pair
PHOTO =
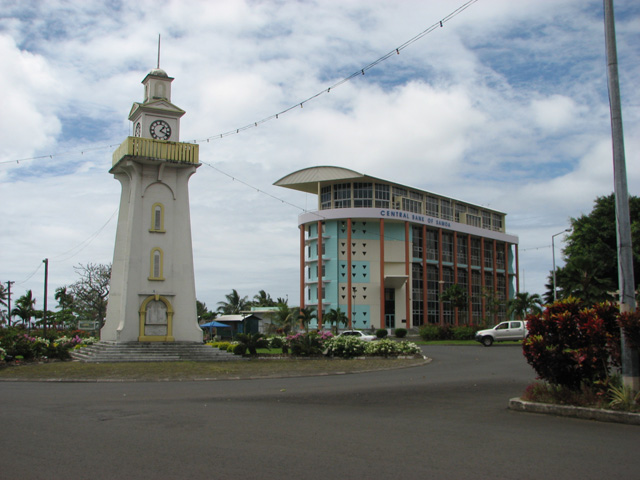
(505, 106)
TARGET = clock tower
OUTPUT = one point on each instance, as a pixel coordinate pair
(152, 294)
(156, 118)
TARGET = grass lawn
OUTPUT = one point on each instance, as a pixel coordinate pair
(187, 371)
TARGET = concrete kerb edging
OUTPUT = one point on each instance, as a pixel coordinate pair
(576, 412)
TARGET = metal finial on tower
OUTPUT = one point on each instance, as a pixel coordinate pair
(158, 51)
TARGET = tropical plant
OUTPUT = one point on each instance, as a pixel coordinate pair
(523, 304)
(305, 315)
(456, 295)
(4, 295)
(252, 341)
(345, 347)
(571, 346)
(234, 304)
(283, 319)
(305, 344)
(203, 312)
(335, 316)
(263, 299)
(25, 308)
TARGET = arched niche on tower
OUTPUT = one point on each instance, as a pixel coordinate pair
(156, 319)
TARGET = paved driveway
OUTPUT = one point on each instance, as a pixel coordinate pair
(445, 420)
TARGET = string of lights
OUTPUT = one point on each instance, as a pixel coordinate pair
(275, 116)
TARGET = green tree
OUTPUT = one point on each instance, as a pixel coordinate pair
(591, 266)
(65, 315)
(263, 299)
(523, 304)
(234, 304)
(252, 341)
(335, 316)
(305, 315)
(284, 318)
(3, 301)
(203, 312)
(456, 295)
(91, 291)
(25, 308)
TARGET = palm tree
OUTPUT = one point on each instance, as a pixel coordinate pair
(336, 316)
(305, 315)
(263, 299)
(25, 307)
(284, 318)
(523, 304)
(252, 341)
(234, 304)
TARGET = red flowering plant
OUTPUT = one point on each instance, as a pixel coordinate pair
(570, 346)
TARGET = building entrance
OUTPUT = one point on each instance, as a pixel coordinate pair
(389, 307)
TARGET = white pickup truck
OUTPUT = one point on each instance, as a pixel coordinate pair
(511, 330)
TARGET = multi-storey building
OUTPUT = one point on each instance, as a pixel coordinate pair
(384, 253)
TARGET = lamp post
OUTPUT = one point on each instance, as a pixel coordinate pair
(553, 253)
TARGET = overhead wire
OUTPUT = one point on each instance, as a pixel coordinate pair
(254, 124)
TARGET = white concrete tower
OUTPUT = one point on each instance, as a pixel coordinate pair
(152, 295)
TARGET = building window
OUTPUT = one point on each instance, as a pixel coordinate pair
(382, 196)
(432, 206)
(497, 222)
(460, 209)
(362, 195)
(342, 195)
(447, 247)
(447, 209)
(409, 205)
(462, 250)
(325, 197)
(488, 254)
(486, 220)
(157, 218)
(417, 294)
(500, 263)
(475, 252)
(433, 306)
(156, 268)
(432, 245)
(476, 296)
(416, 240)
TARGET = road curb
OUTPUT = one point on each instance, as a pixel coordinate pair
(584, 413)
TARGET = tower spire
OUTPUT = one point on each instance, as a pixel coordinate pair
(158, 51)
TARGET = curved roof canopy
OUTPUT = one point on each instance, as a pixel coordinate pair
(307, 179)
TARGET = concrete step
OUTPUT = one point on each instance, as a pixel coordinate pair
(150, 352)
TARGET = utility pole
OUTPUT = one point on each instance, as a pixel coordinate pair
(9, 300)
(46, 281)
(630, 364)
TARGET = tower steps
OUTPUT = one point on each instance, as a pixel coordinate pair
(104, 352)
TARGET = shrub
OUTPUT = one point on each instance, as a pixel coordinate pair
(238, 349)
(252, 341)
(3, 354)
(429, 332)
(305, 344)
(630, 323)
(571, 346)
(345, 347)
(388, 348)
(223, 345)
(230, 347)
(381, 333)
(276, 342)
(463, 332)
(400, 332)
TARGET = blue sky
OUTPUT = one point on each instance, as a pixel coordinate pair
(505, 106)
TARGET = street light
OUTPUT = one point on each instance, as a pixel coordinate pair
(553, 252)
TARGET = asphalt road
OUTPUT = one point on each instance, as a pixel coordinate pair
(445, 420)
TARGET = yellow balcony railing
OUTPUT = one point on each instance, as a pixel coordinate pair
(169, 151)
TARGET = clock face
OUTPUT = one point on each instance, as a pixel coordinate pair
(137, 130)
(160, 130)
